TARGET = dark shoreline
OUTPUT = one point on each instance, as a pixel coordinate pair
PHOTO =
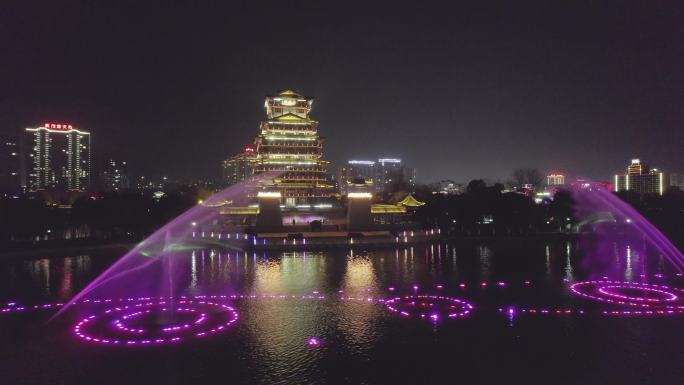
(39, 250)
(65, 247)
(57, 248)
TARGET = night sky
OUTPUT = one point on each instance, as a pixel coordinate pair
(459, 91)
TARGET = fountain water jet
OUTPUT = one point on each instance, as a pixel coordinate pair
(612, 222)
(151, 266)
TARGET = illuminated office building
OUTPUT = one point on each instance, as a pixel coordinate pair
(290, 147)
(378, 175)
(637, 168)
(60, 158)
(555, 179)
(390, 171)
(642, 179)
(356, 172)
(239, 167)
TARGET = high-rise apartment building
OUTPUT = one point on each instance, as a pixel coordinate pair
(60, 158)
(239, 167)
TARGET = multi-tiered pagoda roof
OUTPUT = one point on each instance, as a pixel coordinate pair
(290, 147)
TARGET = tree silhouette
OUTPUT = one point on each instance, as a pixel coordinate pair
(530, 175)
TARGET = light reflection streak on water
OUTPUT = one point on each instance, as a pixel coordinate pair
(193, 270)
(628, 267)
(484, 252)
(214, 269)
(65, 287)
(568, 263)
(547, 253)
(44, 269)
(356, 324)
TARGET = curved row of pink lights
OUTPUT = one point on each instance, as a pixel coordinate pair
(567, 312)
(406, 305)
(604, 291)
(226, 314)
(202, 317)
(12, 306)
(120, 323)
(609, 291)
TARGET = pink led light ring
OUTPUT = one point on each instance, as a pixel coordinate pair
(609, 291)
(431, 307)
(111, 326)
(605, 291)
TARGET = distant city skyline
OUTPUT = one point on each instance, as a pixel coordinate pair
(477, 92)
(219, 176)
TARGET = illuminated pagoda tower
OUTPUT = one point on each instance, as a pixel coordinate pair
(290, 146)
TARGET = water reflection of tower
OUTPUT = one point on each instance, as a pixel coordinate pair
(628, 264)
(568, 263)
(359, 323)
(65, 286)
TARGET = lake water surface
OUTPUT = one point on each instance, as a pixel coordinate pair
(361, 343)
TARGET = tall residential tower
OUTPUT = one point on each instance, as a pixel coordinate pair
(239, 167)
(60, 158)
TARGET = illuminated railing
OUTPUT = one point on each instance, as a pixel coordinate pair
(292, 138)
(387, 209)
(292, 151)
(298, 178)
(302, 185)
(239, 211)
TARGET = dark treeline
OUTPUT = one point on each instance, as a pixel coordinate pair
(488, 211)
(121, 215)
(666, 212)
(481, 210)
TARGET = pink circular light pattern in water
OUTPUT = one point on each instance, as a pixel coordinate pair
(112, 326)
(614, 292)
(202, 317)
(122, 323)
(430, 307)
